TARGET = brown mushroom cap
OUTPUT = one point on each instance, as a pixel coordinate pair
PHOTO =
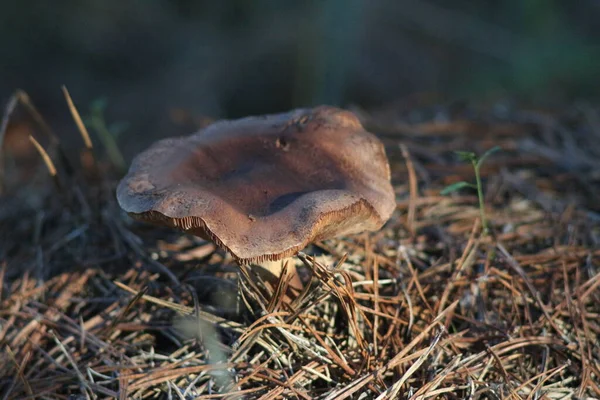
(264, 187)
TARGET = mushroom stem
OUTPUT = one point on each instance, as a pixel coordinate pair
(274, 269)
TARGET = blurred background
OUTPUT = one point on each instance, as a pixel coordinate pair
(158, 67)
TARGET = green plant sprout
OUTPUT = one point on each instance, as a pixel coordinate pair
(108, 134)
(476, 162)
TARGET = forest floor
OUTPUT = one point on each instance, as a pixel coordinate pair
(94, 305)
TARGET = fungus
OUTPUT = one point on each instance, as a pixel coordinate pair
(263, 188)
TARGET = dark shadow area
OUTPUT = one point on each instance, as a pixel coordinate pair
(150, 60)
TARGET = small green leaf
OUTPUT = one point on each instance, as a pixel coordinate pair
(487, 154)
(456, 187)
(466, 155)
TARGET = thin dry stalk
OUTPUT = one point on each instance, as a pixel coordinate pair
(45, 157)
(413, 191)
(77, 118)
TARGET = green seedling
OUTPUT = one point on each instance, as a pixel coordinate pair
(108, 134)
(476, 162)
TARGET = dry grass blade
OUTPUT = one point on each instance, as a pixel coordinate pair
(80, 376)
(77, 118)
(534, 292)
(24, 99)
(413, 193)
(19, 371)
(125, 310)
(397, 359)
(393, 391)
(45, 157)
(180, 308)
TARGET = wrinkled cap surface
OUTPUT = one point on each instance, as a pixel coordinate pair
(264, 187)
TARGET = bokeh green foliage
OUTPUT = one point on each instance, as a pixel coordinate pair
(557, 52)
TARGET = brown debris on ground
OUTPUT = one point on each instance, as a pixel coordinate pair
(94, 305)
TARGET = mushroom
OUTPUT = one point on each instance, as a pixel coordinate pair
(263, 188)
